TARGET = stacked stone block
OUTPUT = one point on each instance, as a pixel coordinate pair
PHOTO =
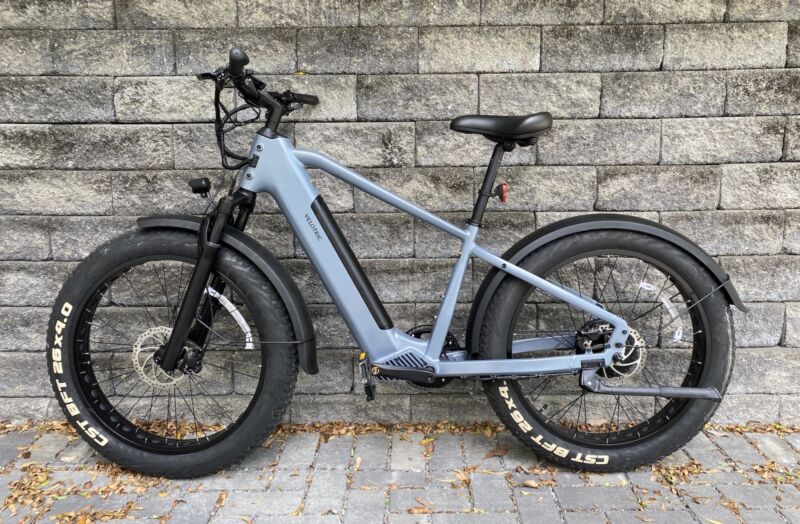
(682, 112)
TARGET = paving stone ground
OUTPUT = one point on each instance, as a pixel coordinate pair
(404, 477)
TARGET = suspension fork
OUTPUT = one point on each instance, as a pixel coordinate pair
(195, 296)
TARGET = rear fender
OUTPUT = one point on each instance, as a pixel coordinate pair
(272, 269)
(580, 224)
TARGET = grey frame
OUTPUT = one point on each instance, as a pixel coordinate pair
(281, 172)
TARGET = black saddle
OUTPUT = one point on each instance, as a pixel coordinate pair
(502, 128)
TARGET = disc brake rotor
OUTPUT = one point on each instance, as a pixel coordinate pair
(630, 360)
(151, 373)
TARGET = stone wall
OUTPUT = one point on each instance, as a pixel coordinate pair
(684, 112)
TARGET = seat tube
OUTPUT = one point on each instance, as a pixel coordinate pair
(448, 306)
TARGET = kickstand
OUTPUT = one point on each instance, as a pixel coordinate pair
(366, 377)
(590, 381)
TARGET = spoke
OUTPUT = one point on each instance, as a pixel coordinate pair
(611, 420)
(130, 411)
(647, 376)
(214, 382)
(580, 401)
(585, 412)
(644, 417)
(105, 323)
(208, 396)
(162, 284)
(226, 369)
(113, 377)
(147, 311)
(104, 370)
(217, 357)
(660, 304)
(106, 343)
(115, 385)
(561, 282)
(194, 416)
(657, 306)
(601, 295)
(578, 281)
(212, 330)
(616, 293)
(639, 290)
(179, 297)
(627, 282)
(138, 381)
(544, 386)
(166, 425)
(191, 397)
(694, 305)
(623, 410)
(175, 413)
(572, 403)
(153, 398)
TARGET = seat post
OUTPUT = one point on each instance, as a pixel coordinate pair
(488, 183)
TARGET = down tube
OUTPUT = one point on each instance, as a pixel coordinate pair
(281, 175)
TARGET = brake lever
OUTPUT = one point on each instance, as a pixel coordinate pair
(215, 75)
(260, 84)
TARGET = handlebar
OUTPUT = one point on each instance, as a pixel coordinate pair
(251, 87)
(253, 91)
(311, 100)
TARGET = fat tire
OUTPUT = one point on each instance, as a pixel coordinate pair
(269, 314)
(716, 373)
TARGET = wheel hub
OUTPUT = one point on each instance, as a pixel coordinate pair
(146, 367)
(593, 338)
(630, 360)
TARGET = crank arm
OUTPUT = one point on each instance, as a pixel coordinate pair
(591, 382)
(414, 374)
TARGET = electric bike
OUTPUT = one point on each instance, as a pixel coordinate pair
(603, 342)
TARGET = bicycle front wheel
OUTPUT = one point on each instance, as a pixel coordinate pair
(235, 377)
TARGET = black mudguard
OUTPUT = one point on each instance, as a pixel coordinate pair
(580, 224)
(272, 269)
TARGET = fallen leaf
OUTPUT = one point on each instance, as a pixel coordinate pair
(496, 452)
(424, 502)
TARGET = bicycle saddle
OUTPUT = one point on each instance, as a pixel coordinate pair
(503, 127)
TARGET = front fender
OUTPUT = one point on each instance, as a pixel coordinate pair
(580, 224)
(272, 269)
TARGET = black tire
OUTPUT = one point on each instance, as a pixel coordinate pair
(626, 445)
(87, 407)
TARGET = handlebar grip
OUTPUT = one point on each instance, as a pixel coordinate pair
(237, 59)
(311, 100)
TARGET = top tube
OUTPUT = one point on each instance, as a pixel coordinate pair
(327, 164)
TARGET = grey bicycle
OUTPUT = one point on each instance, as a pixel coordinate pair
(603, 342)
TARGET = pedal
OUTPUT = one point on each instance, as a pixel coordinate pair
(366, 376)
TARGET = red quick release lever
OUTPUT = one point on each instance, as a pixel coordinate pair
(501, 192)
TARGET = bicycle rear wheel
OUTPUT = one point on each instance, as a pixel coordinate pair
(235, 377)
(680, 335)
